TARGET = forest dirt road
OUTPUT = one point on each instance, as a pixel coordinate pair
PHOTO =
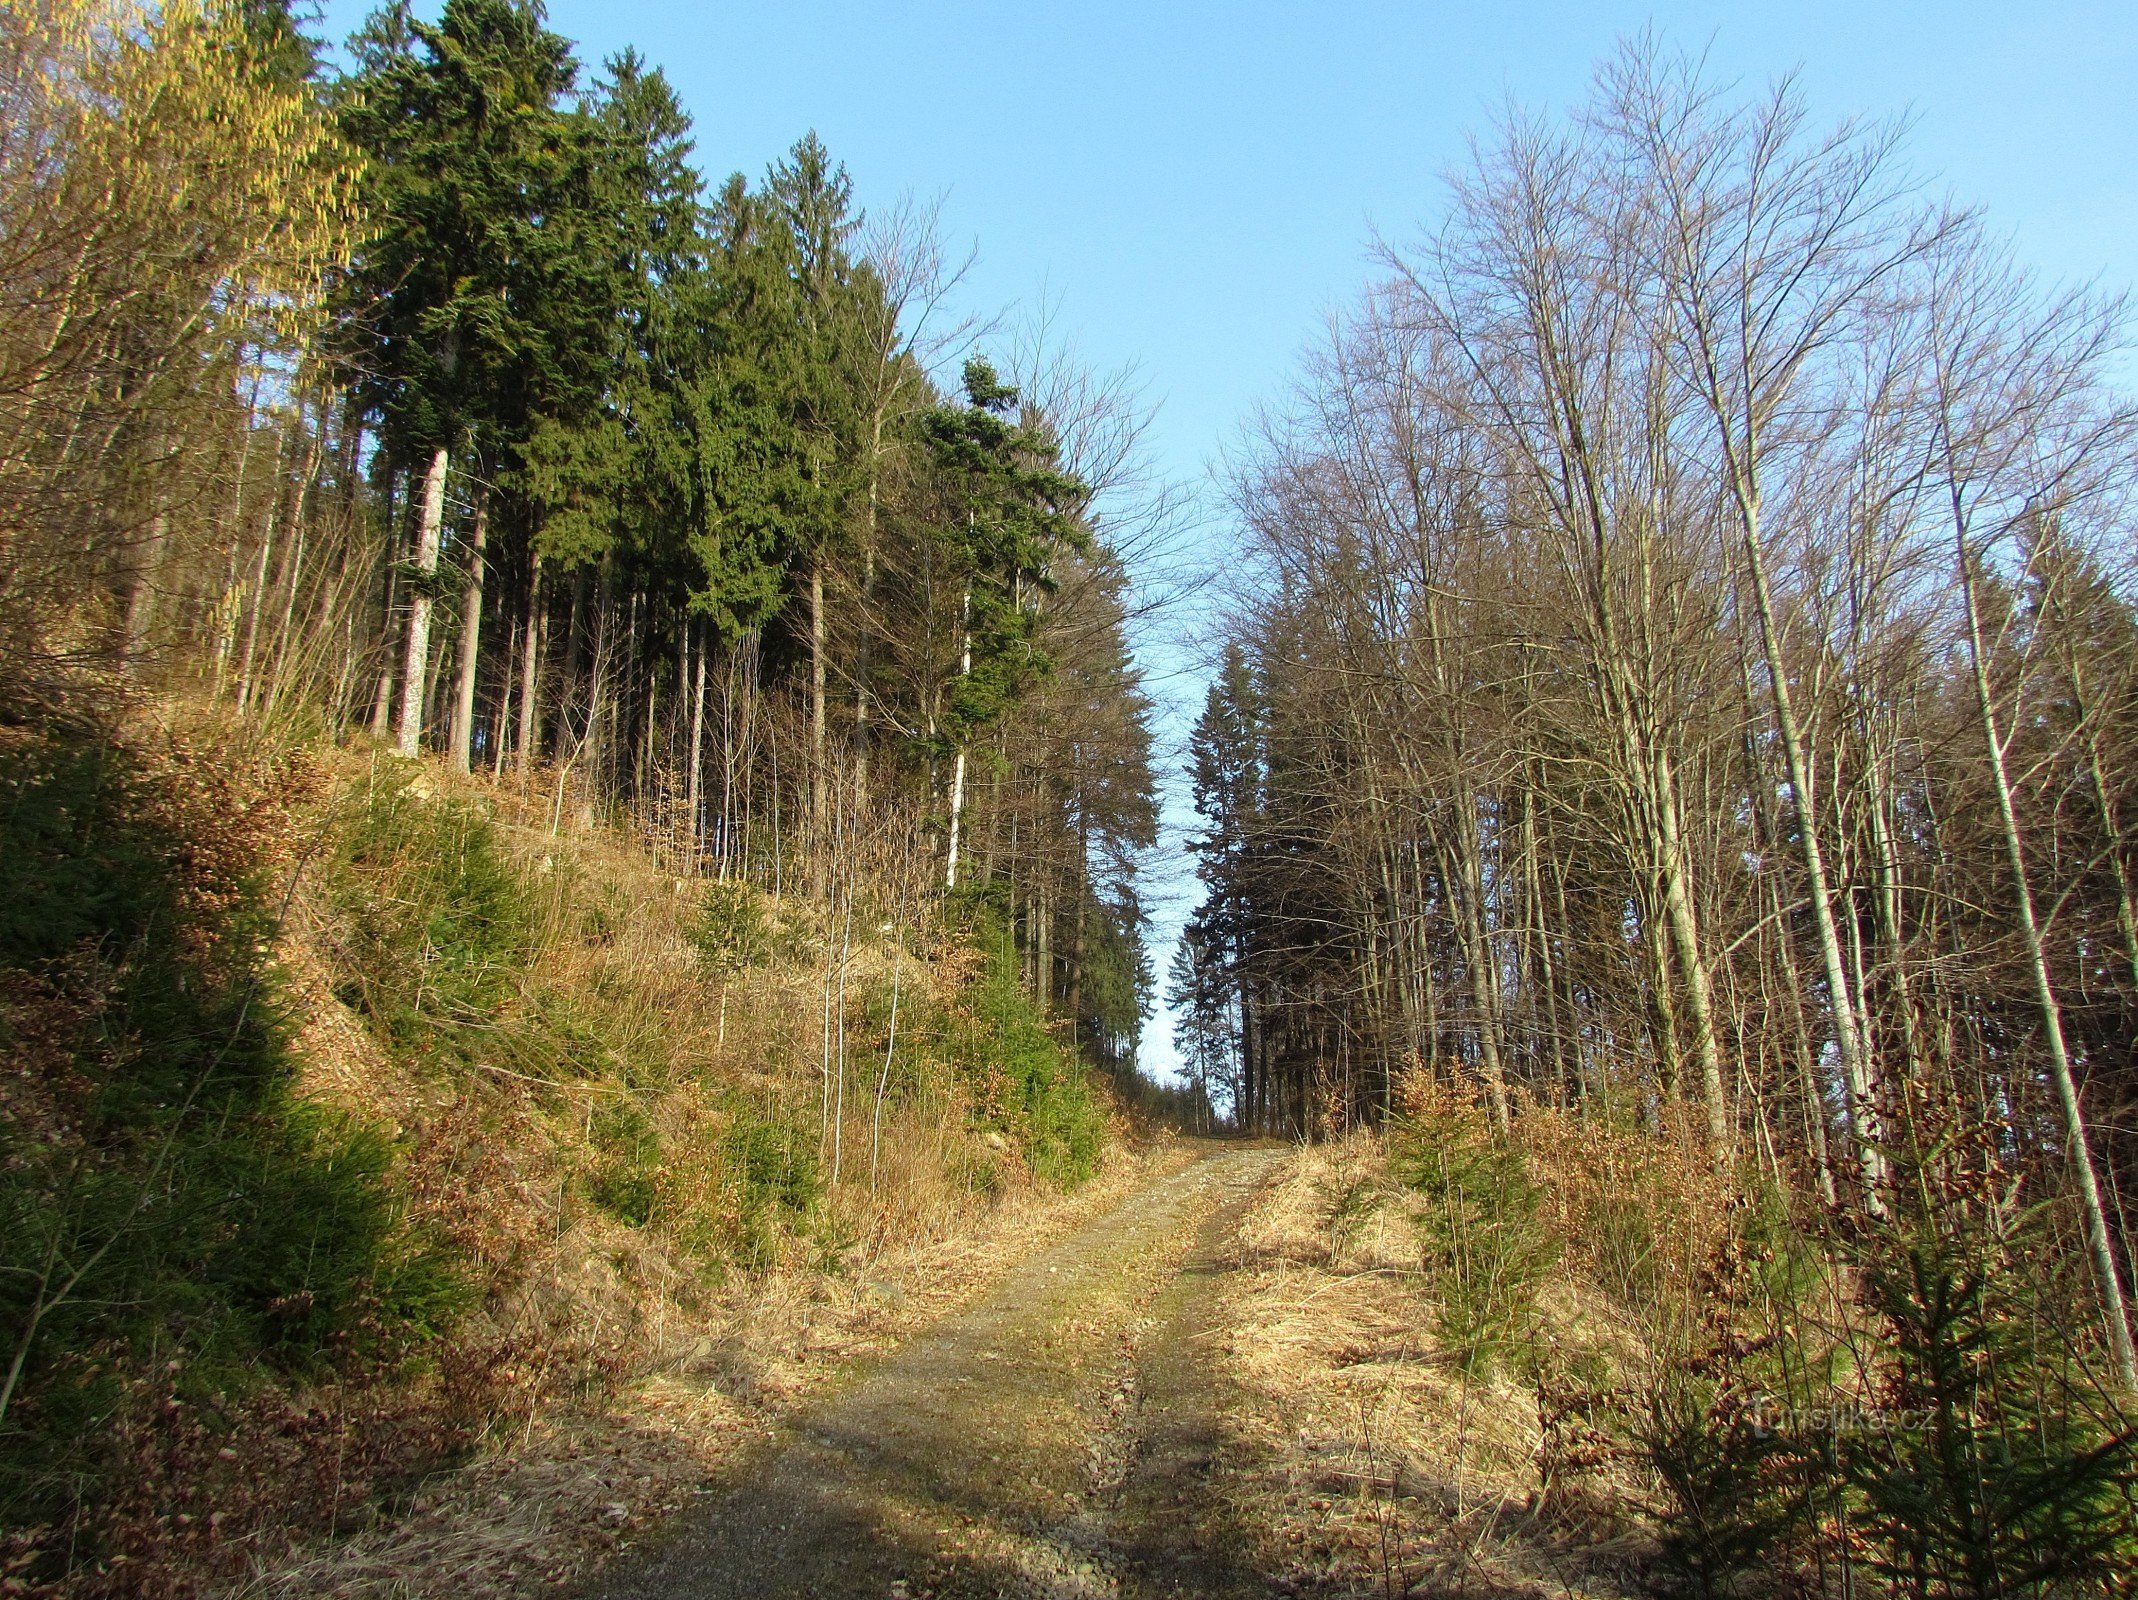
(1058, 1439)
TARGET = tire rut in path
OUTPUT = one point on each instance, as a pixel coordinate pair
(962, 1466)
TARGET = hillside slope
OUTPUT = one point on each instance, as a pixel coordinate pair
(363, 1118)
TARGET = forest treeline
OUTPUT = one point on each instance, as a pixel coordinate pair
(1685, 676)
(568, 748)
(438, 397)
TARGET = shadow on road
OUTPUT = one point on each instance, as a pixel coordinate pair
(963, 1466)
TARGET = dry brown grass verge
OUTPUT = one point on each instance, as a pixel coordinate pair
(541, 1507)
(1374, 1463)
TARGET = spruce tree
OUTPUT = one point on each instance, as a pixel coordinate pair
(477, 302)
(1013, 507)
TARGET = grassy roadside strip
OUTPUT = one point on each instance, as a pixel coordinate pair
(585, 1482)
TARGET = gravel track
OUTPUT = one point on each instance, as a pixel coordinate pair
(1062, 1438)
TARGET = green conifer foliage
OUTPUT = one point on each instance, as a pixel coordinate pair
(477, 302)
(1013, 510)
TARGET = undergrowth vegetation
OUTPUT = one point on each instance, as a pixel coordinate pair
(1030, 1089)
(346, 1097)
(1567, 1344)
(1477, 1228)
(175, 1223)
(1916, 1404)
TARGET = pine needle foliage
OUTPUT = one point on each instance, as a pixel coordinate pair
(1480, 1231)
(1994, 1463)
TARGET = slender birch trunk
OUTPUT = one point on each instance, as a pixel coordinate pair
(2100, 1241)
(957, 771)
(695, 802)
(413, 675)
(471, 633)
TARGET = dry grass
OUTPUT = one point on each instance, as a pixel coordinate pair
(608, 1365)
(541, 1507)
(1380, 1465)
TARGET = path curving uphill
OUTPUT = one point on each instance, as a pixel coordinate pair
(1056, 1440)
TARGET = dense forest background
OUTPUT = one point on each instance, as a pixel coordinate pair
(1681, 682)
(439, 398)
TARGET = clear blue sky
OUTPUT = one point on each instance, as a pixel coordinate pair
(1192, 185)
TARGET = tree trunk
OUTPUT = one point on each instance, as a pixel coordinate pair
(957, 775)
(141, 594)
(471, 632)
(957, 813)
(146, 579)
(819, 808)
(419, 606)
(1848, 1036)
(256, 589)
(532, 640)
(1043, 950)
(645, 737)
(696, 804)
(504, 702)
(1692, 963)
(574, 637)
(1080, 886)
(591, 745)
(863, 651)
(382, 698)
(2100, 1242)
(301, 525)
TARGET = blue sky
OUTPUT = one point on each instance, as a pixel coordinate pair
(1191, 187)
